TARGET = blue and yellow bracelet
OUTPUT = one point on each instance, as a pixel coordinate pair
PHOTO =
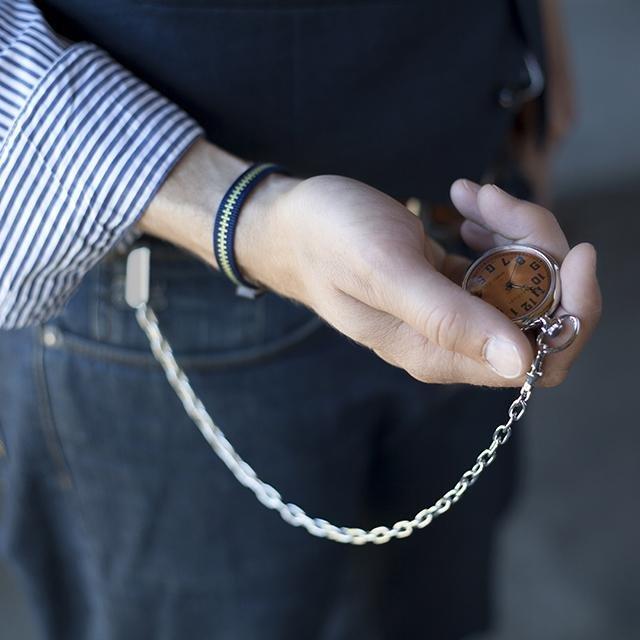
(226, 220)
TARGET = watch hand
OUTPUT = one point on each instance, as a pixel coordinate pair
(510, 284)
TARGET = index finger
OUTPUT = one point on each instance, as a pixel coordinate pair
(506, 219)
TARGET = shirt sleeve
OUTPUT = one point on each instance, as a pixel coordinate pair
(84, 146)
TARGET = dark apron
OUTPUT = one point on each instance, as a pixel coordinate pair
(402, 95)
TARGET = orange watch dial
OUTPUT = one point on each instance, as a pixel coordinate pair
(518, 282)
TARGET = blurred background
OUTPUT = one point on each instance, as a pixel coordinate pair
(569, 561)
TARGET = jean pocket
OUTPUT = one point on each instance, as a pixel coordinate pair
(203, 319)
(114, 424)
(153, 499)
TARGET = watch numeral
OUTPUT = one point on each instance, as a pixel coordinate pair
(535, 265)
(528, 305)
(537, 279)
(490, 268)
(505, 262)
(537, 291)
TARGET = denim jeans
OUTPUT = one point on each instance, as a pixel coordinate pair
(123, 524)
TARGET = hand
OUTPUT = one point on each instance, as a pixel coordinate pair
(495, 218)
(363, 262)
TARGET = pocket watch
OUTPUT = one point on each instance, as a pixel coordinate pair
(521, 281)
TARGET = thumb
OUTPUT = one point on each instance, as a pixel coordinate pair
(411, 290)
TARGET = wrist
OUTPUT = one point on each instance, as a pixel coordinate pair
(258, 247)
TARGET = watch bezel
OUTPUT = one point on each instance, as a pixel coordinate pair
(549, 303)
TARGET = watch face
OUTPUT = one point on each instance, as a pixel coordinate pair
(520, 281)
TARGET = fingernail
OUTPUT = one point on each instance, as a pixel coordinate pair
(471, 186)
(503, 357)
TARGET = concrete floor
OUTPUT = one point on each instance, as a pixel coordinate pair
(568, 566)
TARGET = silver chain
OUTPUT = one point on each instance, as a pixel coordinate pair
(293, 514)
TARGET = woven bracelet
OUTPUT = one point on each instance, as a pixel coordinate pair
(226, 220)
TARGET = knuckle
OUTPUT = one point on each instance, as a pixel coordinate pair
(383, 258)
(369, 273)
(447, 328)
(377, 273)
(374, 260)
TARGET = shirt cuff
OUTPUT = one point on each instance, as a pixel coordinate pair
(83, 158)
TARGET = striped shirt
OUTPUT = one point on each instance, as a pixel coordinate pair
(84, 146)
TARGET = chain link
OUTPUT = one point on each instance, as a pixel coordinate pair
(293, 514)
